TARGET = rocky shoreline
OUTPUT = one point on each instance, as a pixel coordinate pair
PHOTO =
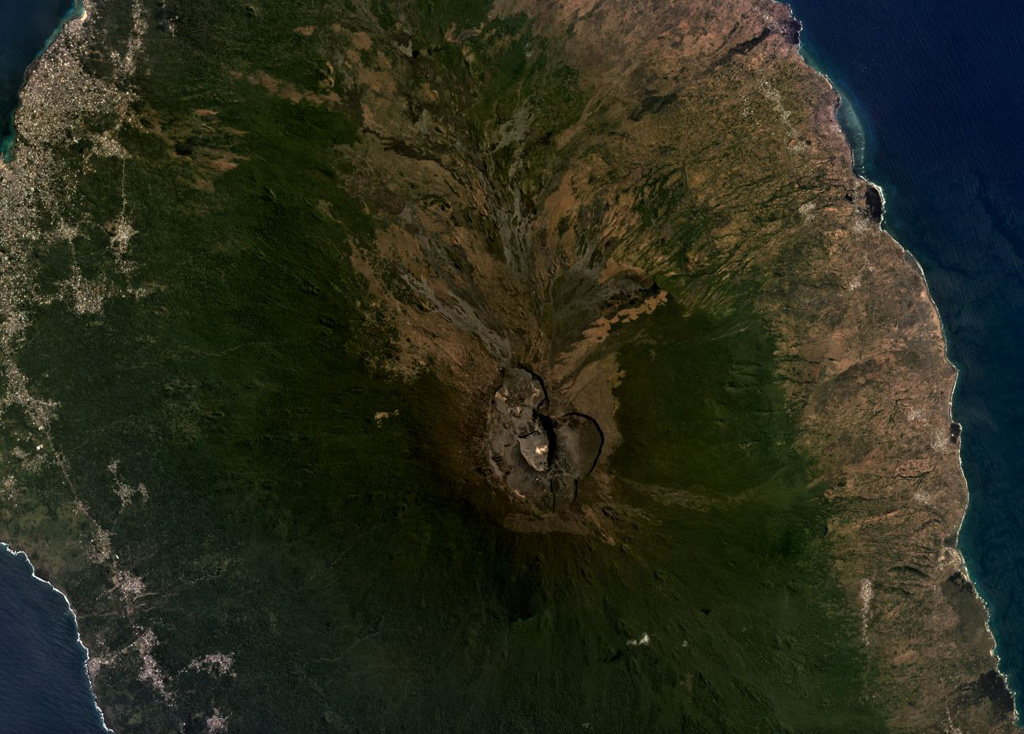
(992, 685)
(997, 686)
(699, 152)
(7, 143)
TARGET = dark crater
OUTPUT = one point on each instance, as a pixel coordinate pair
(535, 454)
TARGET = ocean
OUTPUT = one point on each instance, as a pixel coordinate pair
(42, 666)
(26, 27)
(934, 103)
(44, 686)
(934, 110)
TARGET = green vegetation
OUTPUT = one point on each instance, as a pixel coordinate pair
(328, 551)
(739, 540)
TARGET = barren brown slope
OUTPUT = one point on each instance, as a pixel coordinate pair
(859, 339)
(339, 229)
(713, 102)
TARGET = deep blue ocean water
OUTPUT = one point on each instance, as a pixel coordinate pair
(43, 685)
(938, 91)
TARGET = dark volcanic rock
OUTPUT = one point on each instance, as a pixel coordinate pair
(652, 104)
(534, 449)
(535, 456)
(579, 440)
(992, 686)
(873, 200)
(790, 29)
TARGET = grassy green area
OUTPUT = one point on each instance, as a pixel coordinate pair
(356, 587)
(738, 529)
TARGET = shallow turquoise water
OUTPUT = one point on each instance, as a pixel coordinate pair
(44, 687)
(937, 89)
(25, 27)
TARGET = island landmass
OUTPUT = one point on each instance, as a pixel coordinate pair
(451, 366)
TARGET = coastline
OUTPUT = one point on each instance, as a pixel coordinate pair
(950, 409)
(7, 143)
(862, 174)
(78, 633)
(959, 455)
(77, 12)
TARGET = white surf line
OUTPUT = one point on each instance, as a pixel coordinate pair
(78, 632)
(956, 370)
(959, 453)
(76, 16)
